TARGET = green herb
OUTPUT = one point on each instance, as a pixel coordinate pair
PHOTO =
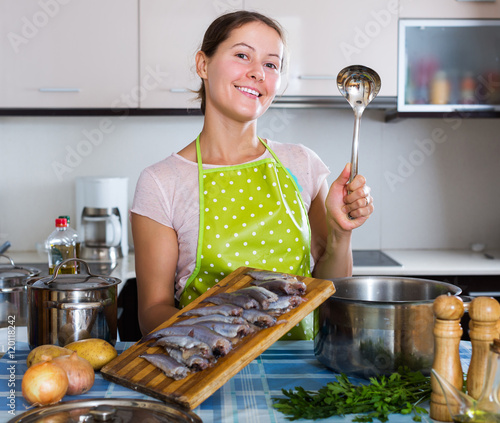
(401, 392)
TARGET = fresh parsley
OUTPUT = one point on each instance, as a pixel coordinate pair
(400, 392)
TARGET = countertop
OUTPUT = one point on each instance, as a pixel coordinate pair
(413, 262)
(246, 397)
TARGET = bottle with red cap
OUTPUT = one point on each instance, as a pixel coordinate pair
(61, 246)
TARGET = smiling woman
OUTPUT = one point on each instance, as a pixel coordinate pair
(232, 199)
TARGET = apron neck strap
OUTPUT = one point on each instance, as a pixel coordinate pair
(200, 162)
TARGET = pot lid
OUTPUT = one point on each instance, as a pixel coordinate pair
(109, 410)
(13, 275)
(73, 282)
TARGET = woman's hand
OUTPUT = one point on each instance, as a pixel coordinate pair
(348, 205)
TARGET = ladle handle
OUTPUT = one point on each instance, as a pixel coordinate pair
(355, 143)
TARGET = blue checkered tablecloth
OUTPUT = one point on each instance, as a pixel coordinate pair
(246, 398)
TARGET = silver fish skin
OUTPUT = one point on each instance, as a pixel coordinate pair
(222, 309)
(265, 275)
(220, 346)
(259, 318)
(283, 286)
(168, 331)
(193, 362)
(228, 330)
(243, 301)
(262, 295)
(284, 304)
(212, 318)
(171, 367)
(184, 343)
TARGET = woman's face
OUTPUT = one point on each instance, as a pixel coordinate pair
(242, 77)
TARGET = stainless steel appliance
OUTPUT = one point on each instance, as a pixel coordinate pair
(101, 217)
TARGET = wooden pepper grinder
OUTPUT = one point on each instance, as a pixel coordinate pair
(484, 313)
(448, 310)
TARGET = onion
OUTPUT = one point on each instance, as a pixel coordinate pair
(44, 383)
(79, 371)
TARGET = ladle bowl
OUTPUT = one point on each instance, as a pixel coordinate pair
(359, 85)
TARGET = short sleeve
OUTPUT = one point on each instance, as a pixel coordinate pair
(150, 200)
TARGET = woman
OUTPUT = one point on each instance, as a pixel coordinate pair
(231, 199)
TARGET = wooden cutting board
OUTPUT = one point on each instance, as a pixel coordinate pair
(133, 372)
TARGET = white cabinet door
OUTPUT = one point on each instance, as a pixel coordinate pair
(324, 36)
(171, 33)
(68, 54)
(444, 9)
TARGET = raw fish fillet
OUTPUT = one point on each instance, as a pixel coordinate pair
(266, 275)
(172, 368)
(283, 286)
(244, 301)
(223, 309)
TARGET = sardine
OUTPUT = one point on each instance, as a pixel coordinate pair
(220, 346)
(228, 330)
(266, 275)
(259, 318)
(244, 301)
(223, 309)
(212, 318)
(184, 343)
(262, 295)
(171, 367)
(284, 304)
(283, 286)
(193, 362)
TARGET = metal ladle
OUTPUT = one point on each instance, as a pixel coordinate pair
(359, 85)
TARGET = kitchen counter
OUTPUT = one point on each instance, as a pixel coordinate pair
(247, 397)
(436, 262)
(413, 262)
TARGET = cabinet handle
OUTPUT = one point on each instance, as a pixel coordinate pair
(318, 77)
(59, 90)
(179, 90)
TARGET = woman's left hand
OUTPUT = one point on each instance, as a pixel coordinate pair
(349, 205)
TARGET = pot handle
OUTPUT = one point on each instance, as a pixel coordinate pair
(8, 258)
(467, 300)
(56, 270)
(77, 306)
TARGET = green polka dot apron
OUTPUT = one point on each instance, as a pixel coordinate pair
(251, 215)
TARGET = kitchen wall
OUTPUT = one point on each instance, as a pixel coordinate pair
(435, 181)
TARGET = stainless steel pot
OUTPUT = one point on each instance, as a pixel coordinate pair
(13, 295)
(373, 325)
(67, 308)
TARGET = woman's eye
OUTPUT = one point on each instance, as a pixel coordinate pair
(271, 65)
(241, 55)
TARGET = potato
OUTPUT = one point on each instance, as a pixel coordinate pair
(44, 352)
(97, 352)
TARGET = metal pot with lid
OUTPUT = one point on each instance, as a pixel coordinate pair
(63, 308)
(13, 295)
(123, 410)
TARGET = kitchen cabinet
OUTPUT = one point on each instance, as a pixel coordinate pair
(449, 9)
(62, 54)
(441, 68)
(325, 36)
(170, 35)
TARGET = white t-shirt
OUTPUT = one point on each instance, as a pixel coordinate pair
(167, 192)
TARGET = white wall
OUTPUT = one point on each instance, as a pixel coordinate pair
(435, 181)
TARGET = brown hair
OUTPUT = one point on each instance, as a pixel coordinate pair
(220, 30)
